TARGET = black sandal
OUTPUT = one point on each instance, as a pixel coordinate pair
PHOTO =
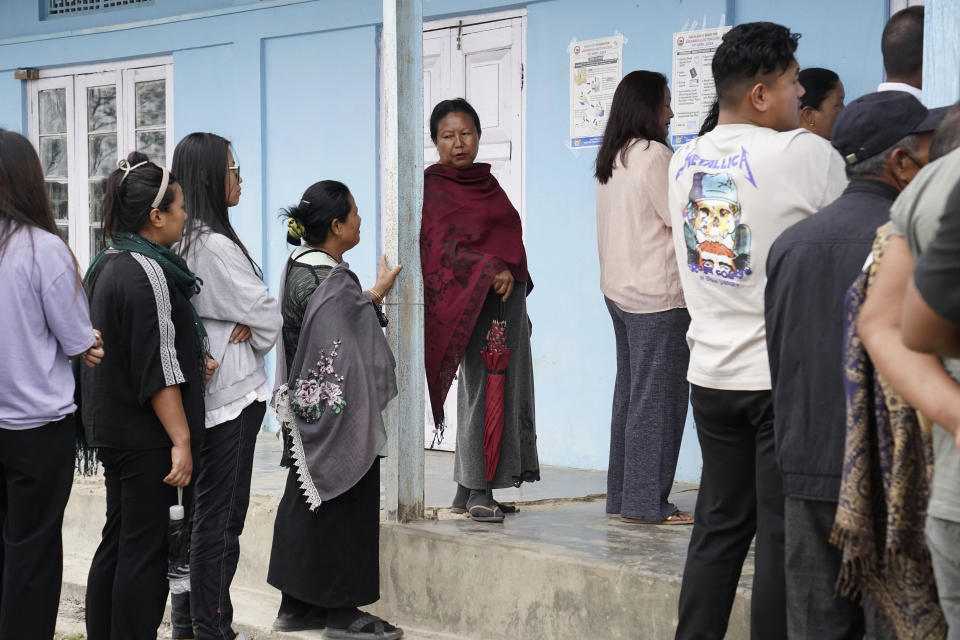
(314, 618)
(463, 494)
(365, 627)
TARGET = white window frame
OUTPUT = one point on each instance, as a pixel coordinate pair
(75, 80)
(45, 84)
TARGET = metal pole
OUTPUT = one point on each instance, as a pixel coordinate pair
(402, 158)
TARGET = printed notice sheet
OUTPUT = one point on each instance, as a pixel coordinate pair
(692, 87)
(596, 67)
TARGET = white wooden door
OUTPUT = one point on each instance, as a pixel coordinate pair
(482, 62)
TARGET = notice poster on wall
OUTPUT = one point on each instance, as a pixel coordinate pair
(596, 67)
(692, 87)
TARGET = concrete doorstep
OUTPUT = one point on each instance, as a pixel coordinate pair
(561, 568)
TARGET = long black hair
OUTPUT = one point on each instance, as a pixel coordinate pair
(817, 83)
(634, 113)
(128, 196)
(200, 160)
(23, 195)
(321, 204)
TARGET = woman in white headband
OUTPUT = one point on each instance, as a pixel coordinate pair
(143, 408)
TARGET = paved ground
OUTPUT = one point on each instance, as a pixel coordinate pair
(70, 626)
(556, 482)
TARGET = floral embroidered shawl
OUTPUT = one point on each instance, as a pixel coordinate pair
(887, 470)
(341, 379)
(469, 233)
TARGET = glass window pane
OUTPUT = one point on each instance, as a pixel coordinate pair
(153, 143)
(96, 200)
(64, 231)
(151, 103)
(102, 154)
(53, 156)
(102, 108)
(53, 111)
(57, 193)
(96, 240)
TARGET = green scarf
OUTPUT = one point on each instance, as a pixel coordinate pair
(176, 269)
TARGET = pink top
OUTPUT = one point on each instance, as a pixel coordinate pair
(638, 266)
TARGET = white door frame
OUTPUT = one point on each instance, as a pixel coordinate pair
(462, 22)
(497, 16)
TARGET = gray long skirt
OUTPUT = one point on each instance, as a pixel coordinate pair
(518, 454)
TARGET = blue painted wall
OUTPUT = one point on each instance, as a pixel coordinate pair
(294, 84)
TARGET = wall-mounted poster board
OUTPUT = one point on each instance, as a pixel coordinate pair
(596, 67)
(692, 87)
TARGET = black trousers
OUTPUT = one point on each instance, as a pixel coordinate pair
(221, 498)
(37, 468)
(127, 585)
(740, 495)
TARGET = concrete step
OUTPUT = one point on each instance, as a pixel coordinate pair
(559, 569)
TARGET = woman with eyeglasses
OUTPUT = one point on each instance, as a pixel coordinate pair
(243, 322)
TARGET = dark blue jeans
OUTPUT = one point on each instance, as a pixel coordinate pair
(221, 495)
(815, 611)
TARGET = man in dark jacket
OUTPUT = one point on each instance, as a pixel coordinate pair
(884, 139)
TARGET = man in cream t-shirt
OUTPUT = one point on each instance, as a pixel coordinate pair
(731, 193)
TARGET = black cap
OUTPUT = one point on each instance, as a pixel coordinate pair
(873, 123)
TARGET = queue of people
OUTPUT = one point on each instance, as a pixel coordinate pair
(174, 392)
(828, 441)
(822, 377)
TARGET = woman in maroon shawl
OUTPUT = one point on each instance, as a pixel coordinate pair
(475, 268)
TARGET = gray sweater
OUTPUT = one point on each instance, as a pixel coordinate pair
(231, 294)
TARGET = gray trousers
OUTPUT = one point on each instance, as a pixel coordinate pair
(649, 411)
(943, 538)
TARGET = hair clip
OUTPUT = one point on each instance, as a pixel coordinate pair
(296, 228)
(305, 201)
(125, 166)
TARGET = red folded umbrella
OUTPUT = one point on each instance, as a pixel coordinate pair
(496, 356)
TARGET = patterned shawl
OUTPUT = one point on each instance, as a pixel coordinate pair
(330, 401)
(469, 233)
(887, 470)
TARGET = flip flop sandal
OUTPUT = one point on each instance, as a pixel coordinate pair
(379, 629)
(676, 518)
(506, 508)
(483, 513)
